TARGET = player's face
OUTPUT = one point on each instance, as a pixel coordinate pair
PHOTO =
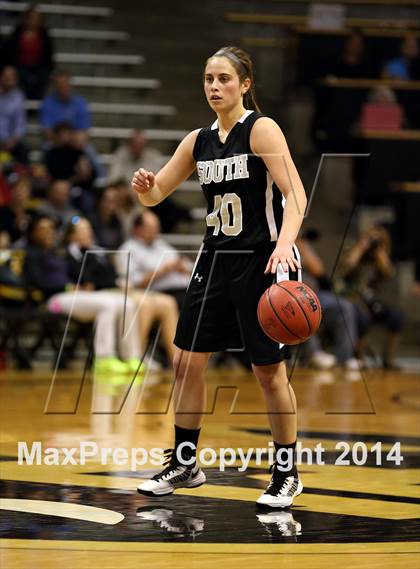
(221, 84)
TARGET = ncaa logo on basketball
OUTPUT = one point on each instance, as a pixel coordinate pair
(308, 297)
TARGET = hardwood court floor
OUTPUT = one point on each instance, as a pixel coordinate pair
(90, 515)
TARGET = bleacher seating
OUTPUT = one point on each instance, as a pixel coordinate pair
(119, 109)
(77, 34)
(107, 76)
(63, 9)
(115, 82)
(302, 20)
(107, 58)
(124, 133)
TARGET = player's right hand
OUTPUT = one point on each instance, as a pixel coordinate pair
(142, 181)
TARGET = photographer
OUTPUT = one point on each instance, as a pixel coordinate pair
(365, 268)
(339, 314)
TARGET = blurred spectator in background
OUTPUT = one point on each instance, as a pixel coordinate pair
(13, 298)
(339, 315)
(382, 111)
(129, 206)
(12, 116)
(132, 155)
(45, 268)
(30, 51)
(153, 262)
(58, 206)
(135, 154)
(98, 269)
(97, 300)
(64, 161)
(14, 218)
(406, 66)
(63, 105)
(99, 277)
(81, 142)
(105, 221)
(51, 272)
(40, 180)
(353, 61)
(337, 110)
(364, 270)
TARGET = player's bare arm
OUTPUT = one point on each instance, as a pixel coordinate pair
(152, 189)
(268, 142)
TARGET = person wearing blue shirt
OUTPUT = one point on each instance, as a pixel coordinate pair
(12, 116)
(63, 105)
(403, 67)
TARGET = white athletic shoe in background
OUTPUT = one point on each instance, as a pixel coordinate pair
(322, 360)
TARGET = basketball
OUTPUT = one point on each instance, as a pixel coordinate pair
(289, 312)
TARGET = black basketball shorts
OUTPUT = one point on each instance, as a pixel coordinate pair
(220, 308)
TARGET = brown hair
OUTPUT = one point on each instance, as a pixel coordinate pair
(243, 66)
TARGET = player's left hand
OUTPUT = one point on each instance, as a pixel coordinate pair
(284, 256)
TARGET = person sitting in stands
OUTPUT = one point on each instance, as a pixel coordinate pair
(406, 66)
(353, 62)
(63, 105)
(58, 205)
(129, 206)
(382, 111)
(13, 301)
(45, 269)
(15, 217)
(132, 154)
(99, 273)
(56, 276)
(31, 52)
(105, 221)
(339, 314)
(154, 263)
(365, 268)
(12, 116)
(66, 162)
(135, 154)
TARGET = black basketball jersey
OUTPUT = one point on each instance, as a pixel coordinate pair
(244, 206)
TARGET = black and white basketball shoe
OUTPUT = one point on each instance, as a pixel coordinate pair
(173, 476)
(282, 489)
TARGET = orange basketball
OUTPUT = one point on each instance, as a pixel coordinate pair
(289, 312)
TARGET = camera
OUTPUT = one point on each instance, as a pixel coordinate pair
(374, 244)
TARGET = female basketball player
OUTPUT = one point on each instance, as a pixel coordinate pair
(246, 172)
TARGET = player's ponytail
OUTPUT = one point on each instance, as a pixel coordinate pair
(244, 68)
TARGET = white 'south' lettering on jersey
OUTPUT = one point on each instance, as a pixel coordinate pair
(223, 169)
